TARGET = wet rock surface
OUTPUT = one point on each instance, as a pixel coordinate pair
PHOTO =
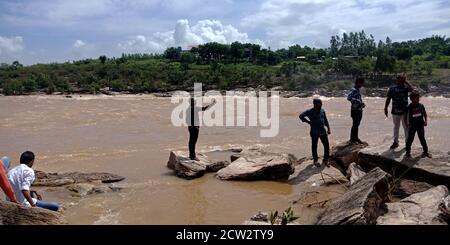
(259, 165)
(13, 214)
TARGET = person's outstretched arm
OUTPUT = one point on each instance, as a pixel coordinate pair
(408, 85)
(209, 106)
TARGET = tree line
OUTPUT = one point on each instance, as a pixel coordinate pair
(228, 66)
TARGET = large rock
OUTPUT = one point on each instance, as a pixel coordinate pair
(55, 180)
(13, 214)
(346, 153)
(354, 173)
(434, 171)
(307, 173)
(418, 209)
(186, 168)
(259, 165)
(405, 187)
(361, 204)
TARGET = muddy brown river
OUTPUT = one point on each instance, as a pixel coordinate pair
(133, 135)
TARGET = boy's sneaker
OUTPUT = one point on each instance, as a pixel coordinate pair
(327, 163)
(394, 146)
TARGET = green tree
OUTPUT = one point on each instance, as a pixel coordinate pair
(103, 59)
(173, 53)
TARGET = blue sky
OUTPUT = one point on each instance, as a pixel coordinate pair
(42, 31)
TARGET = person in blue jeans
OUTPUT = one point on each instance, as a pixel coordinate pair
(21, 179)
(317, 119)
(357, 108)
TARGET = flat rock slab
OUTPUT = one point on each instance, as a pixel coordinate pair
(346, 153)
(361, 204)
(434, 171)
(55, 180)
(307, 173)
(418, 209)
(259, 165)
(13, 214)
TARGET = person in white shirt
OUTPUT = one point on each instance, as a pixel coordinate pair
(21, 179)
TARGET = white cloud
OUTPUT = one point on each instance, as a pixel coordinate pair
(82, 50)
(312, 22)
(187, 36)
(11, 45)
(79, 44)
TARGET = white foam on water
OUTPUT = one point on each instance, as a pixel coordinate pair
(110, 217)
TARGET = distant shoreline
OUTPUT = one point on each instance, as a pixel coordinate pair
(369, 92)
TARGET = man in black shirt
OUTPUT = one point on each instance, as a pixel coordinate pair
(399, 96)
(417, 121)
(194, 126)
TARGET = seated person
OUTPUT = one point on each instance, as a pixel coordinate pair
(4, 182)
(21, 178)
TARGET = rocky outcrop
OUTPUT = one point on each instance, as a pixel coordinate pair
(85, 189)
(418, 209)
(55, 180)
(186, 168)
(405, 187)
(434, 171)
(361, 204)
(445, 209)
(13, 214)
(306, 172)
(354, 173)
(259, 165)
(346, 153)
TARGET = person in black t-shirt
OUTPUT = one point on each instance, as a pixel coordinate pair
(417, 120)
(398, 94)
(194, 126)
